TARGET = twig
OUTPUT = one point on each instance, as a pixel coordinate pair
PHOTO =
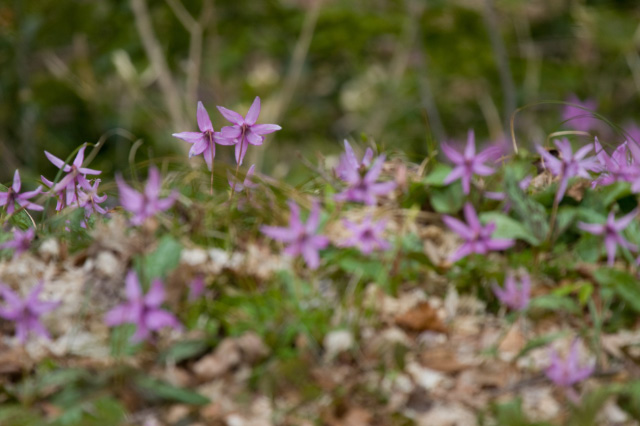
(153, 50)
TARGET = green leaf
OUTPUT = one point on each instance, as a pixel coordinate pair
(164, 259)
(623, 284)
(553, 302)
(184, 350)
(163, 390)
(437, 175)
(506, 227)
(532, 213)
(448, 199)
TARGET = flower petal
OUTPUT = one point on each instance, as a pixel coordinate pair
(231, 116)
(202, 116)
(254, 112)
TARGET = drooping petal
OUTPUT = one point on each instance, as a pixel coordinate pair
(209, 155)
(455, 174)
(17, 184)
(241, 151)
(311, 256)
(453, 155)
(220, 139)
(199, 147)
(592, 228)
(610, 245)
(202, 116)
(254, 112)
(314, 218)
(132, 286)
(231, 116)
(158, 319)
(155, 295)
(253, 138)
(463, 251)
(231, 132)
(265, 129)
(57, 162)
(191, 137)
(458, 227)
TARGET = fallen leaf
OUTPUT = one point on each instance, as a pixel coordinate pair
(421, 317)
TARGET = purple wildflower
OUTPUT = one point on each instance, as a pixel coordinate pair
(196, 288)
(363, 187)
(204, 142)
(26, 312)
(247, 183)
(89, 198)
(76, 174)
(366, 235)
(477, 237)
(567, 372)
(349, 161)
(245, 130)
(65, 196)
(617, 167)
(569, 164)
(13, 196)
(468, 163)
(579, 117)
(21, 241)
(515, 296)
(143, 310)
(501, 196)
(612, 231)
(301, 238)
(146, 204)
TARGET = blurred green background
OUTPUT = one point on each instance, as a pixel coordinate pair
(402, 73)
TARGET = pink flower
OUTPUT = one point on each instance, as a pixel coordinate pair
(349, 162)
(477, 237)
(612, 231)
(89, 198)
(247, 183)
(75, 172)
(146, 204)
(515, 296)
(13, 196)
(26, 312)
(301, 238)
(617, 167)
(363, 187)
(204, 142)
(567, 372)
(21, 241)
(143, 310)
(245, 131)
(569, 164)
(468, 163)
(580, 118)
(366, 235)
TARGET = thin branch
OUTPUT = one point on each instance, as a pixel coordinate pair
(153, 50)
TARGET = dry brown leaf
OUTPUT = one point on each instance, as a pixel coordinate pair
(421, 317)
(512, 343)
(226, 356)
(442, 359)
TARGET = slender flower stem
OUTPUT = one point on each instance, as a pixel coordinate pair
(211, 147)
(554, 214)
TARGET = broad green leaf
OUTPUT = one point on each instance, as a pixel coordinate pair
(553, 302)
(22, 219)
(437, 175)
(184, 350)
(448, 199)
(533, 214)
(163, 260)
(622, 283)
(506, 227)
(163, 390)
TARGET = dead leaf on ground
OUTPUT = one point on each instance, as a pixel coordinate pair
(421, 317)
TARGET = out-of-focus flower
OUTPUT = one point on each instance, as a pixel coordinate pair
(247, 183)
(13, 196)
(196, 288)
(477, 237)
(90, 200)
(75, 172)
(301, 238)
(501, 196)
(26, 312)
(245, 131)
(568, 371)
(579, 117)
(143, 310)
(363, 187)
(617, 167)
(367, 235)
(515, 296)
(569, 164)
(469, 163)
(21, 241)
(349, 162)
(146, 204)
(612, 231)
(204, 142)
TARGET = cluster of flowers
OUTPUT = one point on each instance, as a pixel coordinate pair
(360, 177)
